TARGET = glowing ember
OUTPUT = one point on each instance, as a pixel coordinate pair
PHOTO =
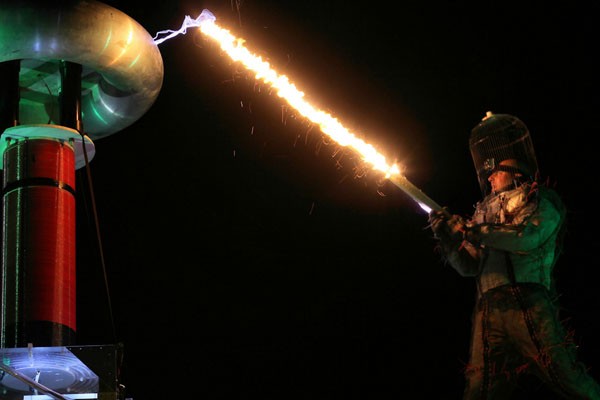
(234, 47)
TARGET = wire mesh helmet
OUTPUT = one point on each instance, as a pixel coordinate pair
(500, 137)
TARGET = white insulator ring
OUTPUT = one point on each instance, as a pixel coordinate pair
(122, 66)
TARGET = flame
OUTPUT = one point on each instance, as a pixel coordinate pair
(235, 49)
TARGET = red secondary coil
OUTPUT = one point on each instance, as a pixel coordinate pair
(40, 205)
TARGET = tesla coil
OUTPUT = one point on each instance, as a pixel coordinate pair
(71, 73)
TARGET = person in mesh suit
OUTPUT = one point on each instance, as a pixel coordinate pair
(510, 245)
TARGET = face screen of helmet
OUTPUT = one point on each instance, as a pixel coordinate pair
(497, 138)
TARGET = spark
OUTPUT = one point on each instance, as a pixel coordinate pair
(235, 49)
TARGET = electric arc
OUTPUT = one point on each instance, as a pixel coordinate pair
(329, 125)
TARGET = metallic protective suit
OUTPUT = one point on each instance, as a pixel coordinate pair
(510, 246)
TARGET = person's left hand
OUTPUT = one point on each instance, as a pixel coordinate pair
(447, 227)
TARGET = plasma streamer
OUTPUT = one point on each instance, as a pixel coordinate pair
(329, 125)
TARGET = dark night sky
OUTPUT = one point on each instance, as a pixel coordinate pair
(246, 255)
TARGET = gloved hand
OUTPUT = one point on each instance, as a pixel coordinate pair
(447, 227)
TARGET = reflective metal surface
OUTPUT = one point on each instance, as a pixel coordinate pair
(56, 368)
(122, 66)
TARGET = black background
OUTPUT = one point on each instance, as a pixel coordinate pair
(242, 254)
